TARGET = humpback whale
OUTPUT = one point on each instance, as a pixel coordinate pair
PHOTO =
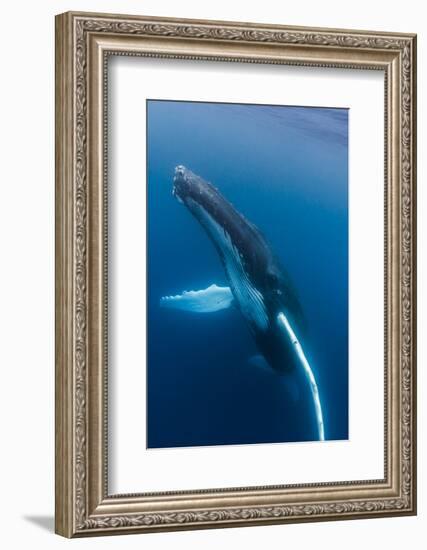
(258, 285)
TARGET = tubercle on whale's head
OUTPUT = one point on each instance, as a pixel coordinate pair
(180, 184)
(183, 183)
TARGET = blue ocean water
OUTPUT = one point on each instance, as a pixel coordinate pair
(286, 170)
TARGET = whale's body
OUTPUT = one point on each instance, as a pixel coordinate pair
(259, 286)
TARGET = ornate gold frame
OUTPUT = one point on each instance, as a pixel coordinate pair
(83, 42)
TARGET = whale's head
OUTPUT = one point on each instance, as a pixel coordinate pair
(256, 278)
(191, 189)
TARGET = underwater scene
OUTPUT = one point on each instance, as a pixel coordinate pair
(247, 274)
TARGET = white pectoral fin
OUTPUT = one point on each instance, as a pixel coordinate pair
(284, 323)
(213, 298)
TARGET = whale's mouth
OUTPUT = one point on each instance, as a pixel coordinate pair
(176, 194)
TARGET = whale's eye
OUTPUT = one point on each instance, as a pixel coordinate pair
(272, 278)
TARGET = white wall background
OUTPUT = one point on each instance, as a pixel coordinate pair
(27, 273)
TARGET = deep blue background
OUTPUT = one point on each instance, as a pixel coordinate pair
(286, 170)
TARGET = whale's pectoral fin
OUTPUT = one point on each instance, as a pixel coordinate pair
(213, 298)
(288, 330)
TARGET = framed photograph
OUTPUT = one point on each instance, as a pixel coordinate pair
(235, 274)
